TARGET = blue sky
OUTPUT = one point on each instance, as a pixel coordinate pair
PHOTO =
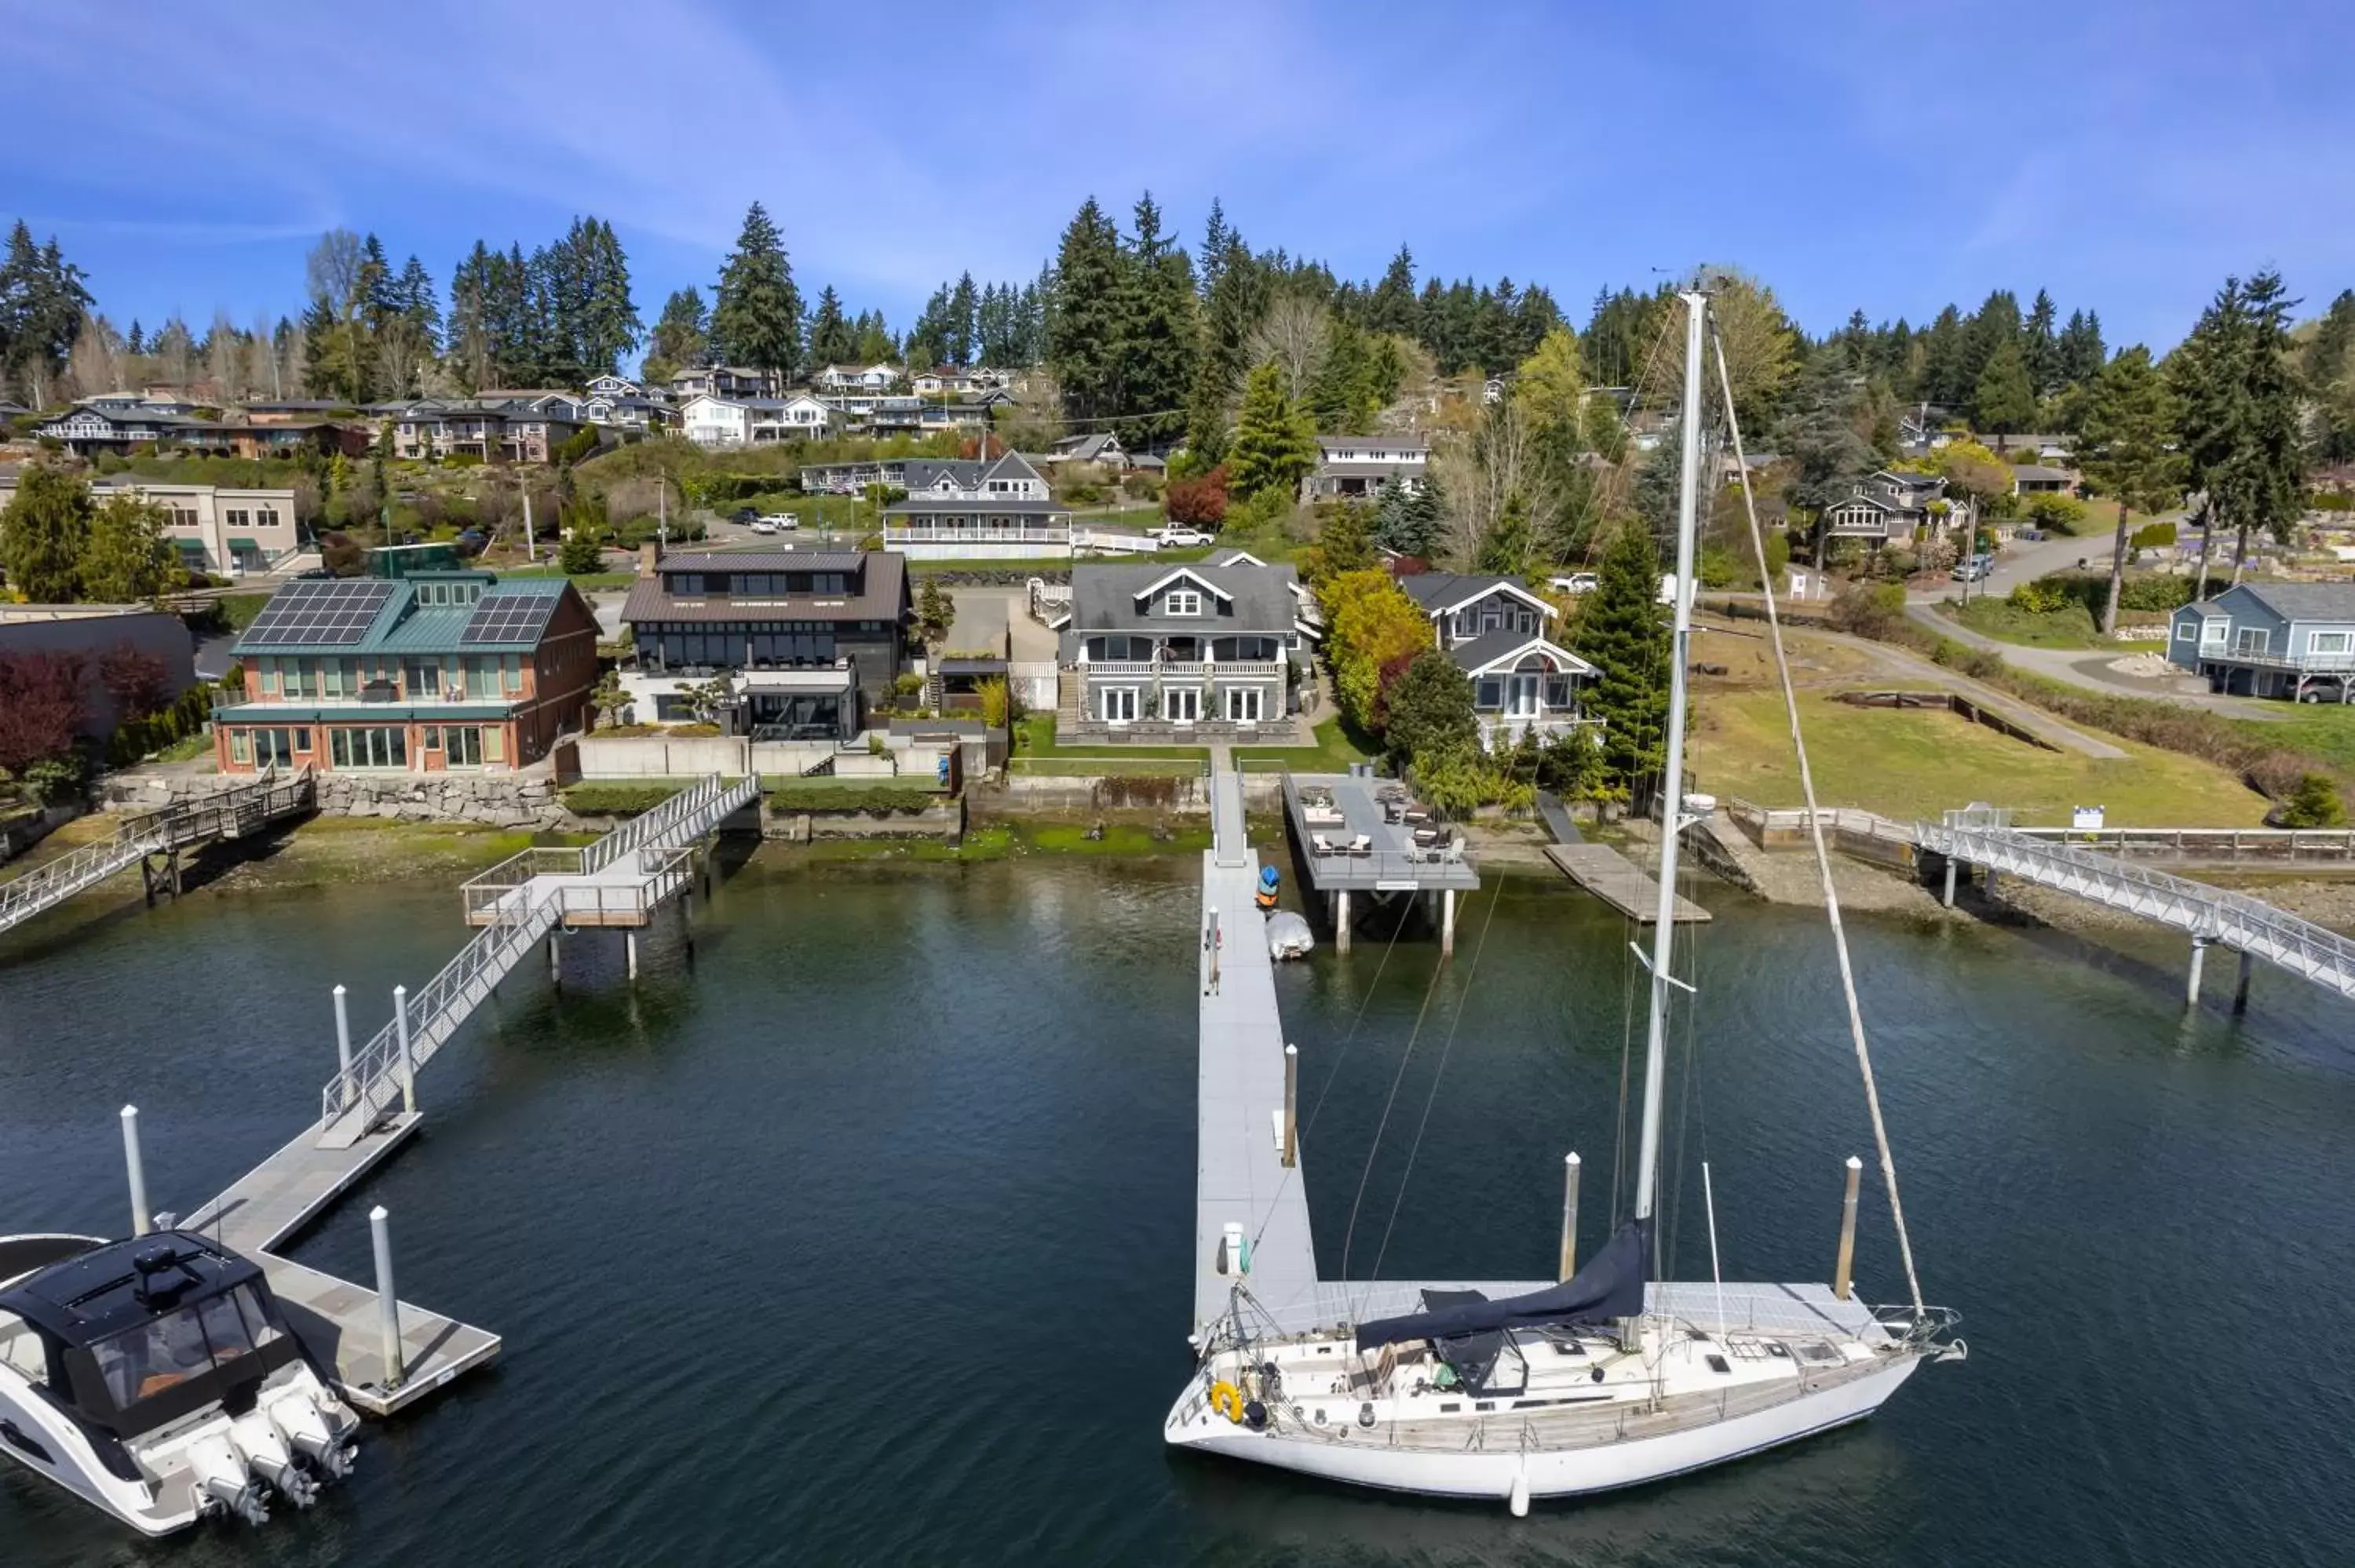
(2126, 156)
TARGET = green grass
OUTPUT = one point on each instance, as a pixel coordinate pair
(2072, 627)
(184, 748)
(1034, 735)
(1075, 766)
(1914, 763)
(1119, 838)
(2326, 730)
(1337, 745)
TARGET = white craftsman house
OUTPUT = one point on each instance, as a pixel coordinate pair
(1893, 508)
(711, 421)
(1358, 466)
(1205, 652)
(971, 509)
(1497, 631)
(856, 378)
(2271, 640)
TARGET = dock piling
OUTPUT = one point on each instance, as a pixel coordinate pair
(556, 959)
(344, 1044)
(1951, 863)
(1291, 1106)
(1341, 920)
(2192, 981)
(136, 1170)
(629, 953)
(2241, 989)
(407, 1061)
(1848, 1229)
(388, 1305)
(1570, 1215)
(1447, 922)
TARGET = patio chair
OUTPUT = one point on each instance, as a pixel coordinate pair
(1363, 845)
(1320, 844)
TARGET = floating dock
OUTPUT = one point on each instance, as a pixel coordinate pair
(1614, 879)
(1358, 835)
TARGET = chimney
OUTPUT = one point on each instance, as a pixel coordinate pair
(649, 557)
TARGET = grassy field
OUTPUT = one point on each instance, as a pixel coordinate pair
(1915, 762)
(2325, 729)
(1337, 745)
(1336, 748)
(2007, 622)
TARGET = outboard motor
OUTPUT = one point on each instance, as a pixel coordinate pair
(306, 1431)
(223, 1481)
(256, 1438)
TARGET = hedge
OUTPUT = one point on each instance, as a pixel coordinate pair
(876, 800)
(619, 797)
(137, 738)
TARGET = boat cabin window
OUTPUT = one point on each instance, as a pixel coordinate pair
(22, 1349)
(213, 1334)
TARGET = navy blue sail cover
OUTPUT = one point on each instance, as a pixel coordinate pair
(1610, 1286)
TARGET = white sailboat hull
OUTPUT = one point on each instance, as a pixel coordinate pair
(1498, 1473)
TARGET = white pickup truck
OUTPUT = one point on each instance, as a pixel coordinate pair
(1178, 536)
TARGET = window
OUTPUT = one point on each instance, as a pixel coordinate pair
(2251, 639)
(1118, 704)
(372, 747)
(294, 677)
(1488, 694)
(1182, 601)
(1181, 704)
(2214, 630)
(494, 743)
(482, 675)
(512, 664)
(1557, 692)
(421, 678)
(2327, 642)
(463, 746)
(277, 746)
(240, 745)
(1243, 705)
(237, 518)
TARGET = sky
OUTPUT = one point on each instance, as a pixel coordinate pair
(2125, 154)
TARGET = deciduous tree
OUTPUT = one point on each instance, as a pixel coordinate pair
(1369, 622)
(125, 559)
(42, 708)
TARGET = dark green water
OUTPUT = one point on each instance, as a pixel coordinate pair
(866, 1241)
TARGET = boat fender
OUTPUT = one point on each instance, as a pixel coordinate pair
(1366, 1416)
(1596, 1374)
(1227, 1401)
(1256, 1416)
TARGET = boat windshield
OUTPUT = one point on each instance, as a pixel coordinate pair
(173, 1347)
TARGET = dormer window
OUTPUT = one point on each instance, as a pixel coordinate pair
(1182, 601)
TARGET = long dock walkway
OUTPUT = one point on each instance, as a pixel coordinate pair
(229, 813)
(368, 1110)
(1614, 879)
(1241, 1179)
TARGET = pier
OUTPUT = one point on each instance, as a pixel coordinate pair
(155, 840)
(1619, 882)
(369, 1108)
(1353, 834)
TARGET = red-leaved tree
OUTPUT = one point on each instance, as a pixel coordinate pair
(1198, 503)
(139, 682)
(41, 707)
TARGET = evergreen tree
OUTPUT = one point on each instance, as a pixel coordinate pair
(125, 559)
(1216, 237)
(1392, 307)
(832, 340)
(2126, 446)
(1274, 446)
(43, 533)
(876, 345)
(1996, 325)
(1233, 306)
(1507, 544)
(961, 323)
(1345, 539)
(2208, 374)
(1622, 633)
(680, 338)
(756, 315)
(1083, 337)
(606, 326)
(2003, 400)
(1158, 334)
(137, 342)
(1428, 709)
(2040, 347)
(2264, 480)
(2329, 372)
(1947, 377)
(2080, 352)
(469, 335)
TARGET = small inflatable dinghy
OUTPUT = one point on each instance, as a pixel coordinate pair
(1288, 935)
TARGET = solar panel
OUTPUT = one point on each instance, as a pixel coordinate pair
(508, 617)
(325, 613)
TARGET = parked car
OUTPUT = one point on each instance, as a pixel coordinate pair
(762, 525)
(743, 514)
(1178, 537)
(778, 521)
(1974, 569)
(1575, 582)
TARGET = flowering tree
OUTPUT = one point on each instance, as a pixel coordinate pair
(41, 707)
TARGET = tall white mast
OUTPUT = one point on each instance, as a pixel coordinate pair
(1672, 817)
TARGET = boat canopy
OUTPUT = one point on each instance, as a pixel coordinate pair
(1610, 1286)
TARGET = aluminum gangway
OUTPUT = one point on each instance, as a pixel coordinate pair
(635, 868)
(2211, 916)
(229, 813)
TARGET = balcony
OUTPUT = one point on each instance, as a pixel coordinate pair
(1184, 670)
(1500, 730)
(931, 534)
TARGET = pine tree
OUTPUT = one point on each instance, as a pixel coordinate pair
(1084, 346)
(607, 324)
(2126, 447)
(1392, 307)
(1216, 237)
(2003, 400)
(961, 323)
(757, 313)
(831, 338)
(679, 338)
(43, 533)
(1507, 544)
(1159, 333)
(2265, 480)
(1274, 446)
(1623, 635)
(2041, 348)
(1233, 309)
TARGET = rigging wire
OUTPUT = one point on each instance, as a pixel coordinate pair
(1349, 1235)
(1816, 834)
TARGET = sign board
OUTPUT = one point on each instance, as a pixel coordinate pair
(2085, 819)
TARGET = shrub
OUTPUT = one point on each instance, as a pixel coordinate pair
(2059, 514)
(618, 797)
(2314, 803)
(1140, 487)
(1082, 493)
(1868, 609)
(1198, 503)
(2152, 536)
(876, 800)
(581, 442)
(2040, 596)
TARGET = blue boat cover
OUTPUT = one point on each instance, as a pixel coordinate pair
(1610, 1286)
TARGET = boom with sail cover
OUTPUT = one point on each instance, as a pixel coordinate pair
(1611, 1285)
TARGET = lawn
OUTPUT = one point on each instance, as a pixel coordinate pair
(1917, 762)
(1337, 746)
(2326, 730)
(2006, 622)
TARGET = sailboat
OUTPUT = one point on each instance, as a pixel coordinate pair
(1612, 1377)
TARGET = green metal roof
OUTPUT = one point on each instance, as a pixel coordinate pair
(359, 713)
(402, 626)
(193, 547)
(238, 544)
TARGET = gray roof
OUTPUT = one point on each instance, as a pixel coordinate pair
(2305, 601)
(923, 473)
(1489, 647)
(1103, 599)
(2041, 471)
(880, 593)
(1012, 505)
(1085, 449)
(1436, 590)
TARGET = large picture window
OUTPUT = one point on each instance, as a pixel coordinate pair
(1117, 704)
(374, 745)
(1243, 705)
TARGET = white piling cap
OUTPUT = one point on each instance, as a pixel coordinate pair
(378, 1214)
(1292, 1050)
(339, 989)
(1854, 1163)
(130, 1113)
(1571, 1158)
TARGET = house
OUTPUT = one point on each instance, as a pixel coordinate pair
(1890, 507)
(2040, 478)
(1359, 466)
(1099, 448)
(516, 428)
(714, 421)
(1497, 631)
(2271, 640)
(1205, 652)
(853, 477)
(856, 379)
(1000, 509)
(726, 381)
(2047, 448)
(111, 426)
(90, 632)
(623, 411)
(615, 386)
(224, 529)
(806, 641)
(427, 673)
(945, 379)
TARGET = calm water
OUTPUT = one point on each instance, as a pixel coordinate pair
(865, 1241)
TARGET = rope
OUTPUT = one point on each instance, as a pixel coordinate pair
(1349, 1236)
(1815, 834)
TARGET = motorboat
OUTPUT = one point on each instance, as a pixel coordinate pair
(156, 1378)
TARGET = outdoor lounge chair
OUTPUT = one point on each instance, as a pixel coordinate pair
(1362, 844)
(1321, 844)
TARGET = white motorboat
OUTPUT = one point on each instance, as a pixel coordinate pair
(156, 1378)
(1613, 1377)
